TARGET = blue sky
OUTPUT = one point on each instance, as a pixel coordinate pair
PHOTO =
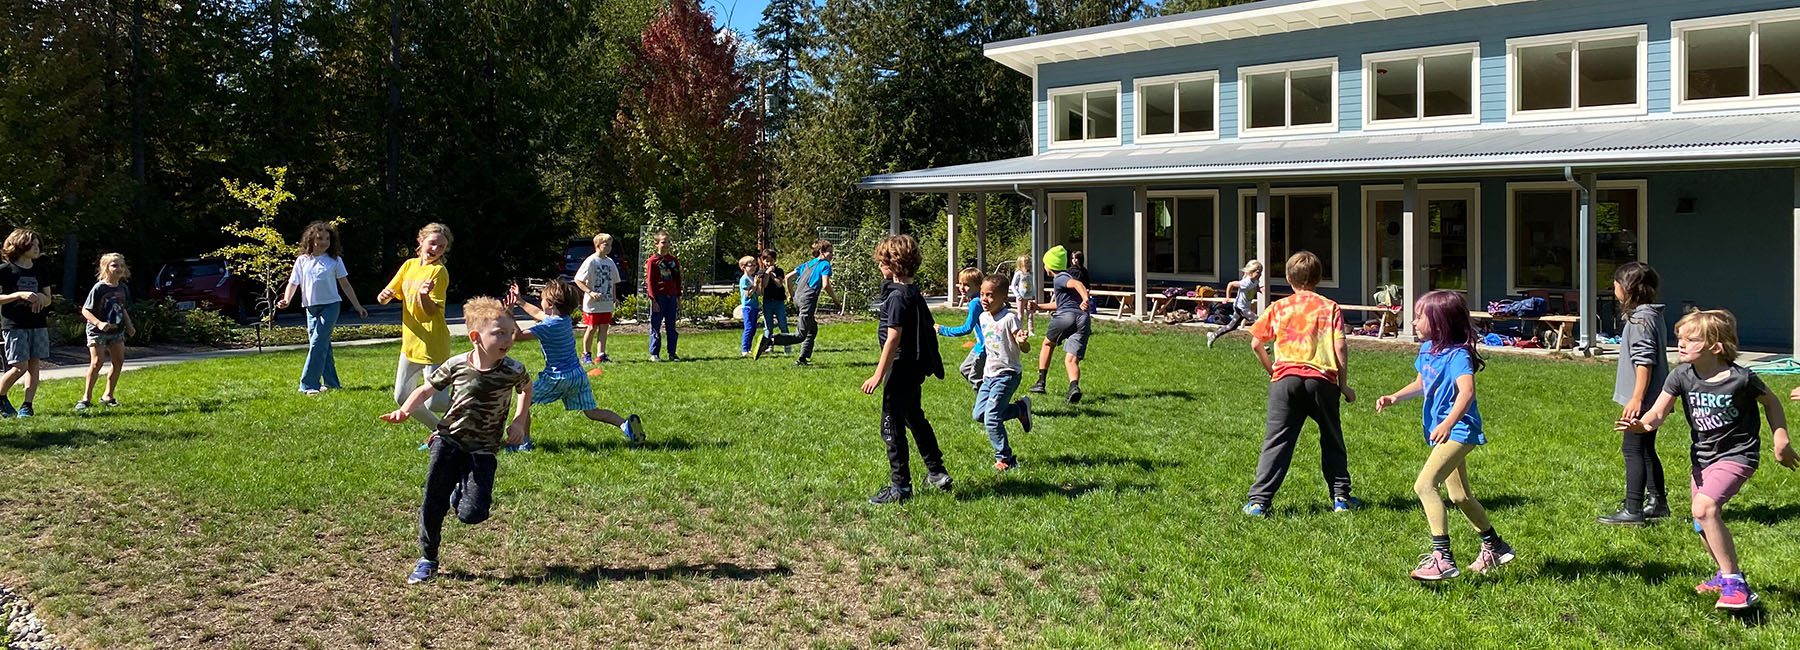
(741, 15)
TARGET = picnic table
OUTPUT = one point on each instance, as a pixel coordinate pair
(1124, 297)
(1558, 326)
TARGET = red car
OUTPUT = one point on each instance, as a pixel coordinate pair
(195, 283)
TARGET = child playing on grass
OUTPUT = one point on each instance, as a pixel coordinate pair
(774, 298)
(1721, 399)
(1643, 365)
(461, 471)
(1446, 366)
(969, 280)
(1309, 372)
(909, 354)
(812, 279)
(750, 290)
(23, 322)
(323, 284)
(598, 279)
(662, 282)
(1000, 375)
(108, 323)
(1069, 324)
(421, 285)
(562, 378)
(1020, 290)
(1243, 309)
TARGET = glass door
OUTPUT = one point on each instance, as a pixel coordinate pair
(1451, 259)
(1068, 222)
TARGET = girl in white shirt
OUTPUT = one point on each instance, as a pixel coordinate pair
(318, 276)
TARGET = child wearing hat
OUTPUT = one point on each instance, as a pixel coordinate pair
(1069, 322)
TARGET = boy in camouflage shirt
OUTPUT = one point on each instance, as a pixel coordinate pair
(461, 472)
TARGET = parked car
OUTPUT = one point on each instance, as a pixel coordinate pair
(195, 283)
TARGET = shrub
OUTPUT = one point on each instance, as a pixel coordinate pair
(67, 327)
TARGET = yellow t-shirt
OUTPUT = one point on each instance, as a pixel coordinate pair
(425, 337)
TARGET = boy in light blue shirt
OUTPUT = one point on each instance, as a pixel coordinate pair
(969, 280)
(563, 378)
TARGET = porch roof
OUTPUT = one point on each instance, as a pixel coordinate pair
(1655, 142)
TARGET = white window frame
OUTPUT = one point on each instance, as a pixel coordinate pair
(1247, 222)
(1187, 194)
(1512, 219)
(1087, 238)
(1287, 68)
(1137, 102)
(1419, 55)
(1118, 100)
(1678, 64)
(1575, 39)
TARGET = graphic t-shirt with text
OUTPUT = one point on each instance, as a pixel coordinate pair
(1723, 414)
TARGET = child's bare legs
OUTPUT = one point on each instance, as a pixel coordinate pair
(587, 340)
(117, 351)
(606, 416)
(12, 376)
(1714, 534)
(31, 379)
(1024, 308)
(1044, 355)
(1072, 366)
(95, 360)
(601, 329)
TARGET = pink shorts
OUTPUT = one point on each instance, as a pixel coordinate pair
(1719, 481)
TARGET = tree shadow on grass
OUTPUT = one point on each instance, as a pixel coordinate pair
(39, 440)
(591, 576)
(1764, 513)
(592, 445)
(1105, 460)
(1010, 488)
(1652, 572)
(1410, 503)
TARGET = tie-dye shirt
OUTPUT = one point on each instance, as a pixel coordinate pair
(1306, 328)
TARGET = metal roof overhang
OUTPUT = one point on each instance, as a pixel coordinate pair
(1767, 139)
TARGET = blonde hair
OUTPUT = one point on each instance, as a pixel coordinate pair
(108, 259)
(602, 239)
(435, 228)
(1252, 266)
(482, 310)
(970, 277)
(18, 242)
(747, 260)
(900, 253)
(1715, 327)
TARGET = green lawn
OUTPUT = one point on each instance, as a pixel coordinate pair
(219, 508)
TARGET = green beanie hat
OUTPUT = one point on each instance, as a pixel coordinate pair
(1057, 259)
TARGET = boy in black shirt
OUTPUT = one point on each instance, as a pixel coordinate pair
(909, 354)
(24, 323)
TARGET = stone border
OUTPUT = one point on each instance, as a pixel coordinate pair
(23, 629)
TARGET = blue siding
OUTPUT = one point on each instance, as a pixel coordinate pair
(1350, 87)
(1493, 80)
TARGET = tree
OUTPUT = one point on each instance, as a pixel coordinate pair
(784, 38)
(262, 253)
(1184, 6)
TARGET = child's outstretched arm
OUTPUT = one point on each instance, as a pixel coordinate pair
(963, 329)
(1411, 390)
(1651, 419)
(1777, 416)
(415, 401)
(881, 366)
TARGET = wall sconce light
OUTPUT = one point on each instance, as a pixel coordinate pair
(1106, 210)
(1685, 205)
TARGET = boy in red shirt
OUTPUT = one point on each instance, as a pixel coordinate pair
(662, 280)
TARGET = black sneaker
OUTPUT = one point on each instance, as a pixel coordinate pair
(1074, 392)
(1036, 388)
(891, 494)
(1024, 414)
(6, 408)
(1656, 507)
(1624, 517)
(762, 346)
(803, 362)
(941, 481)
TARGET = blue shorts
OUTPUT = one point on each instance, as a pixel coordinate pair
(575, 392)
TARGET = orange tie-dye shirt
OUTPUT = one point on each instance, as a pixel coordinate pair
(1306, 328)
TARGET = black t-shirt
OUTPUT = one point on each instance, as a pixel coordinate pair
(1723, 414)
(903, 307)
(773, 288)
(18, 314)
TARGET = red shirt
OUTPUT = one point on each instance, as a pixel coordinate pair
(663, 273)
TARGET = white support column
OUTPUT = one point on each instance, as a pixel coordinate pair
(952, 259)
(981, 231)
(893, 212)
(1794, 274)
(1412, 258)
(1590, 242)
(1038, 210)
(1140, 262)
(1262, 242)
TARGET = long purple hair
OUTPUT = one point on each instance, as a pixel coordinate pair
(1447, 316)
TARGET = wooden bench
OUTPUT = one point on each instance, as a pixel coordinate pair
(1559, 326)
(1390, 318)
(1124, 297)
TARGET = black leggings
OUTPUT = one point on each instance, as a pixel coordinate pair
(1643, 469)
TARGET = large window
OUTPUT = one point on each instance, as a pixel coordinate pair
(1591, 73)
(1543, 223)
(1085, 115)
(1289, 97)
(1420, 87)
(1748, 59)
(1183, 106)
(1299, 219)
(1183, 235)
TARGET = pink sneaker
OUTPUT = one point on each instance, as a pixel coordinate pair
(1735, 594)
(1712, 585)
(1490, 557)
(1435, 566)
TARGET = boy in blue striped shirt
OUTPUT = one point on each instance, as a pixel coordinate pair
(563, 377)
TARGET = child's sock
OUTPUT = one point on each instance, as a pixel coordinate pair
(1732, 576)
(1043, 375)
(1441, 544)
(1491, 538)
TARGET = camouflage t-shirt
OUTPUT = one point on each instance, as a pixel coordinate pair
(478, 409)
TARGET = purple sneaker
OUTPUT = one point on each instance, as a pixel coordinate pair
(1435, 566)
(1736, 594)
(1712, 585)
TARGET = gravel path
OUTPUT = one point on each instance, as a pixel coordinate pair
(23, 629)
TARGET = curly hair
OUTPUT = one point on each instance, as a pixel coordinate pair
(899, 253)
(18, 242)
(321, 231)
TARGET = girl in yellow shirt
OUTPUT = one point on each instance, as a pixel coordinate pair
(421, 285)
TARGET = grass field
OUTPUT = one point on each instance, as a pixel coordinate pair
(219, 508)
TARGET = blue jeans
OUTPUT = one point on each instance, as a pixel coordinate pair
(320, 371)
(774, 315)
(993, 407)
(662, 323)
(752, 316)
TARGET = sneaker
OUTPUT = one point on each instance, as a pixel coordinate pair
(1036, 388)
(1735, 594)
(422, 572)
(1712, 585)
(1624, 517)
(762, 346)
(941, 481)
(425, 446)
(1435, 566)
(803, 362)
(1345, 503)
(587, 359)
(527, 446)
(109, 402)
(673, 358)
(633, 429)
(1255, 509)
(6, 408)
(1074, 392)
(1491, 556)
(655, 359)
(1210, 337)
(82, 406)
(512, 449)
(605, 358)
(310, 391)
(1024, 414)
(1656, 507)
(25, 410)
(891, 494)
(744, 355)
(1004, 466)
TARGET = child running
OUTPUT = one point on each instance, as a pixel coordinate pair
(812, 279)
(108, 323)
(562, 378)
(1308, 374)
(461, 471)
(1000, 375)
(1243, 309)
(1020, 290)
(909, 354)
(750, 290)
(969, 280)
(323, 284)
(1069, 324)
(662, 284)
(1446, 366)
(23, 322)
(1721, 399)
(774, 298)
(1643, 366)
(598, 279)
(421, 286)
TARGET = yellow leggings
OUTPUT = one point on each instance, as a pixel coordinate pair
(1446, 467)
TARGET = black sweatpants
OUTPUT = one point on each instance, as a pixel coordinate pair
(1643, 469)
(1292, 401)
(901, 409)
(468, 476)
(806, 333)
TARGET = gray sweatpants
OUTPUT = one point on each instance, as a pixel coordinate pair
(808, 332)
(1292, 401)
(973, 367)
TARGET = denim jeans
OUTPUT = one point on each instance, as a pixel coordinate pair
(320, 371)
(993, 407)
(662, 323)
(453, 471)
(752, 317)
(774, 316)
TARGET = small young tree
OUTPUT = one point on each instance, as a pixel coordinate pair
(264, 255)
